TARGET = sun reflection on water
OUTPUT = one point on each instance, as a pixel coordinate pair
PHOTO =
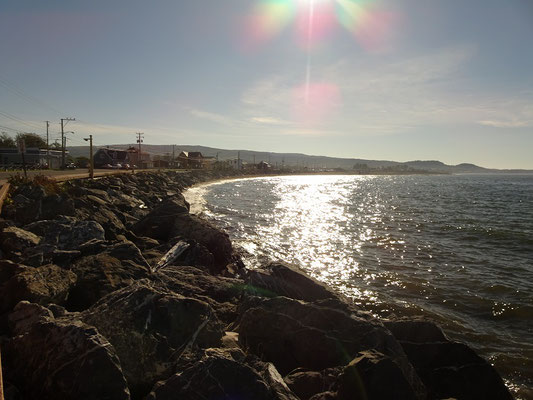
(387, 243)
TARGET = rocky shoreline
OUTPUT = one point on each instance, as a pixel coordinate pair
(111, 289)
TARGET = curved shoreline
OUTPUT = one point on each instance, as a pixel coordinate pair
(458, 331)
(201, 316)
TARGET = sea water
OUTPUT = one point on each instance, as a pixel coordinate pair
(457, 249)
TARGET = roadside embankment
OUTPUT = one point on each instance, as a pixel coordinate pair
(111, 289)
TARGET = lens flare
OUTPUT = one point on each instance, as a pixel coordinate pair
(315, 20)
(314, 102)
(267, 20)
(314, 23)
(370, 25)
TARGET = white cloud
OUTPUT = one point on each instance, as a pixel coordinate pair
(373, 99)
(210, 116)
(269, 121)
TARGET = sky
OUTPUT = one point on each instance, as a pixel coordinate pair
(401, 80)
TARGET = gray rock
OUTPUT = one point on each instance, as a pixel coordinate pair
(66, 234)
(150, 328)
(110, 268)
(159, 222)
(42, 285)
(222, 294)
(62, 359)
(281, 279)
(219, 376)
(416, 330)
(373, 375)
(305, 384)
(191, 227)
(15, 239)
(448, 369)
(55, 206)
(288, 333)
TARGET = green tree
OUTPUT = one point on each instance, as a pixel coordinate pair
(32, 140)
(6, 140)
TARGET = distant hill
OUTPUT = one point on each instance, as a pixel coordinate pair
(303, 160)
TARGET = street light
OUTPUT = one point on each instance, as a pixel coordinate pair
(64, 146)
(91, 162)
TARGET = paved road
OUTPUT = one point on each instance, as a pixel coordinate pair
(62, 175)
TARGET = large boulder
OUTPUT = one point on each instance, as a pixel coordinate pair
(415, 330)
(55, 205)
(159, 222)
(42, 285)
(13, 239)
(8, 269)
(373, 375)
(451, 369)
(222, 294)
(150, 328)
(218, 375)
(448, 369)
(110, 268)
(305, 384)
(109, 221)
(291, 334)
(216, 241)
(62, 358)
(281, 279)
(26, 206)
(67, 234)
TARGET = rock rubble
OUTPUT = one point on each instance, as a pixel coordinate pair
(91, 308)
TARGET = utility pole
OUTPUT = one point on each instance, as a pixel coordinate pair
(173, 154)
(238, 160)
(91, 161)
(22, 149)
(47, 144)
(140, 140)
(63, 139)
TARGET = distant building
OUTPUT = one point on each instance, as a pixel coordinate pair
(160, 163)
(196, 159)
(106, 156)
(236, 163)
(191, 159)
(263, 165)
(10, 157)
(142, 160)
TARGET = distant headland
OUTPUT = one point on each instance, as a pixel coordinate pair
(310, 162)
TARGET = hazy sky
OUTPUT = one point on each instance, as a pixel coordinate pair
(394, 79)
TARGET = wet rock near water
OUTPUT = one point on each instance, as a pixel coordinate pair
(448, 369)
(112, 290)
(280, 279)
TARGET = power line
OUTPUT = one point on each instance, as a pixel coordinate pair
(9, 129)
(19, 120)
(19, 92)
